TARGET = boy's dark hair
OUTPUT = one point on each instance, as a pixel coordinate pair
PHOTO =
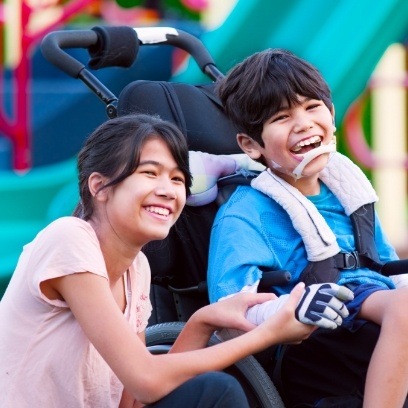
(258, 87)
(114, 149)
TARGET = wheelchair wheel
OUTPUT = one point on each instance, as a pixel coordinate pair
(258, 387)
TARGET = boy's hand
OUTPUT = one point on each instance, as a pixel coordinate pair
(322, 305)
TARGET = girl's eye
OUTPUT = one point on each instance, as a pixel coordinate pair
(179, 179)
(149, 172)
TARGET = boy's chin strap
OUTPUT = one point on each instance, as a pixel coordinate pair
(312, 154)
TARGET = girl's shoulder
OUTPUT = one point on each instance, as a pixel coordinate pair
(69, 222)
(67, 227)
(66, 246)
(66, 236)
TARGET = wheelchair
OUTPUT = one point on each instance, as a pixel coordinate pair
(178, 263)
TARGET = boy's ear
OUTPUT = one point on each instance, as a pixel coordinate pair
(249, 146)
(95, 184)
(332, 110)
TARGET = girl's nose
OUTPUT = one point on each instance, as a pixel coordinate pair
(166, 189)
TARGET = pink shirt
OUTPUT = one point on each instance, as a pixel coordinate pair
(45, 358)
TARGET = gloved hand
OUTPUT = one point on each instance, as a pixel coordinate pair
(322, 305)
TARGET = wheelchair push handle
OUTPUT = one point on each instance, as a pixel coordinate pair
(183, 40)
(54, 43)
(118, 46)
(53, 48)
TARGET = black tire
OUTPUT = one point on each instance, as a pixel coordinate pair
(259, 389)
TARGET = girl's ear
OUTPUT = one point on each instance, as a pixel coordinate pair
(249, 146)
(95, 184)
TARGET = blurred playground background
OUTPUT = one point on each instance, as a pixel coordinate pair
(358, 45)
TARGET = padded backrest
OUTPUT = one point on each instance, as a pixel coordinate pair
(181, 259)
(194, 109)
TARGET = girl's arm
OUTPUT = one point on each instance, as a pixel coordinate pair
(226, 313)
(128, 400)
(150, 377)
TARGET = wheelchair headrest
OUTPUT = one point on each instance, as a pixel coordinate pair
(194, 109)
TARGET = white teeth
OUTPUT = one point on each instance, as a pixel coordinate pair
(307, 142)
(158, 210)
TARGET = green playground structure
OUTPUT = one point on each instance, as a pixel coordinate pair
(344, 39)
(28, 202)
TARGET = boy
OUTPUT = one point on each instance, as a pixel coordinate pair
(299, 216)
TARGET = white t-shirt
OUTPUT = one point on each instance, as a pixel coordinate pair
(45, 358)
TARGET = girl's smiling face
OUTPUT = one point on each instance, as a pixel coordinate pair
(145, 205)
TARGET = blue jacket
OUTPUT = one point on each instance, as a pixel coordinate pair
(252, 233)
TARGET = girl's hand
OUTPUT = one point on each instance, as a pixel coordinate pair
(284, 326)
(231, 312)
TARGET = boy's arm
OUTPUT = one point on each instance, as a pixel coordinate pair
(387, 253)
(237, 250)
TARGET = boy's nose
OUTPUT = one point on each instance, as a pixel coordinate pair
(302, 123)
(303, 127)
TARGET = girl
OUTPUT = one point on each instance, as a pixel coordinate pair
(73, 317)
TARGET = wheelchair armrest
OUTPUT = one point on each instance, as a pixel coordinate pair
(273, 278)
(269, 278)
(395, 267)
(200, 288)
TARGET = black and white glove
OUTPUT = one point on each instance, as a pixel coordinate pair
(322, 305)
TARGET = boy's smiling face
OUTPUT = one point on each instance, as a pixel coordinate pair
(289, 134)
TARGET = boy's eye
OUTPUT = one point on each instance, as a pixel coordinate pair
(279, 117)
(314, 104)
